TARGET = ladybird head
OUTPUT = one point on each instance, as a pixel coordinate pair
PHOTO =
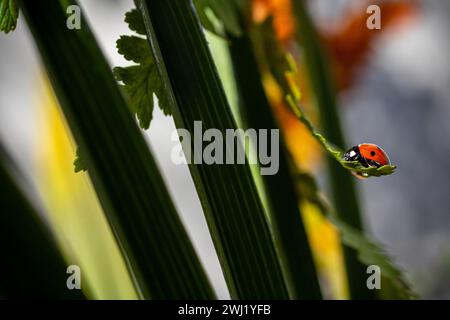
(352, 154)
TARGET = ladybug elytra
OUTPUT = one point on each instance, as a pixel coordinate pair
(368, 155)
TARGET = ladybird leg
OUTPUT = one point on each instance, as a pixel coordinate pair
(363, 161)
(373, 163)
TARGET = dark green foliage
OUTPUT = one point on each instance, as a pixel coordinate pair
(393, 283)
(293, 100)
(225, 12)
(9, 13)
(31, 264)
(344, 197)
(233, 209)
(125, 176)
(292, 243)
(141, 81)
(78, 163)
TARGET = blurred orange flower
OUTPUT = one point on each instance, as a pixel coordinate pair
(281, 12)
(349, 44)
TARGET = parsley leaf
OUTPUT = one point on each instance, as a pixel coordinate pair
(135, 21)
(9, 13)
(142, 80)
(78, 163)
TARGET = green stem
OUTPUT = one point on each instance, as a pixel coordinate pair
(285, 216)
(125, 176)
(342, 184)
(228, 194)
(31, 265)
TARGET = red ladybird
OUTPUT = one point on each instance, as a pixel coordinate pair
(368, 155)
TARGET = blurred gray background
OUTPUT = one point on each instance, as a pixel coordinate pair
(401, 101)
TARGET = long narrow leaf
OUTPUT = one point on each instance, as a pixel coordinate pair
(31, 265)
(125, 176)
(284, 211)
(394, 284)
(233, 209)
(9, 13)
(342, 184)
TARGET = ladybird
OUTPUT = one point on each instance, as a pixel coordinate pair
(368, 155)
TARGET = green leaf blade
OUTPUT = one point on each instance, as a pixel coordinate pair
(134, 20)
(134, 49)
(32, 266)
(141, 81)
(138, 90)
(393, 284)
(345, 198)
(285, 216)
(225, 11)
(78, 164)
(124, 173)
(372, 253)
(9, 13)
(293, 100)
(232, 207)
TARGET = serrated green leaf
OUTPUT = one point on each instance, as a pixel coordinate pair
(139, 91)
(134, 49)
(140, 81)
(345, 199)
(372, 253)
(131, 190)
(228, 194)
(293, 100)
(9, 13)
(368, 251)
(279, 189)
(134, 20)
(78, 164)
(356, 167)
(272, 52)
(31, 265)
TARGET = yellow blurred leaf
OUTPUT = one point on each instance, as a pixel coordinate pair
(74, 211)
